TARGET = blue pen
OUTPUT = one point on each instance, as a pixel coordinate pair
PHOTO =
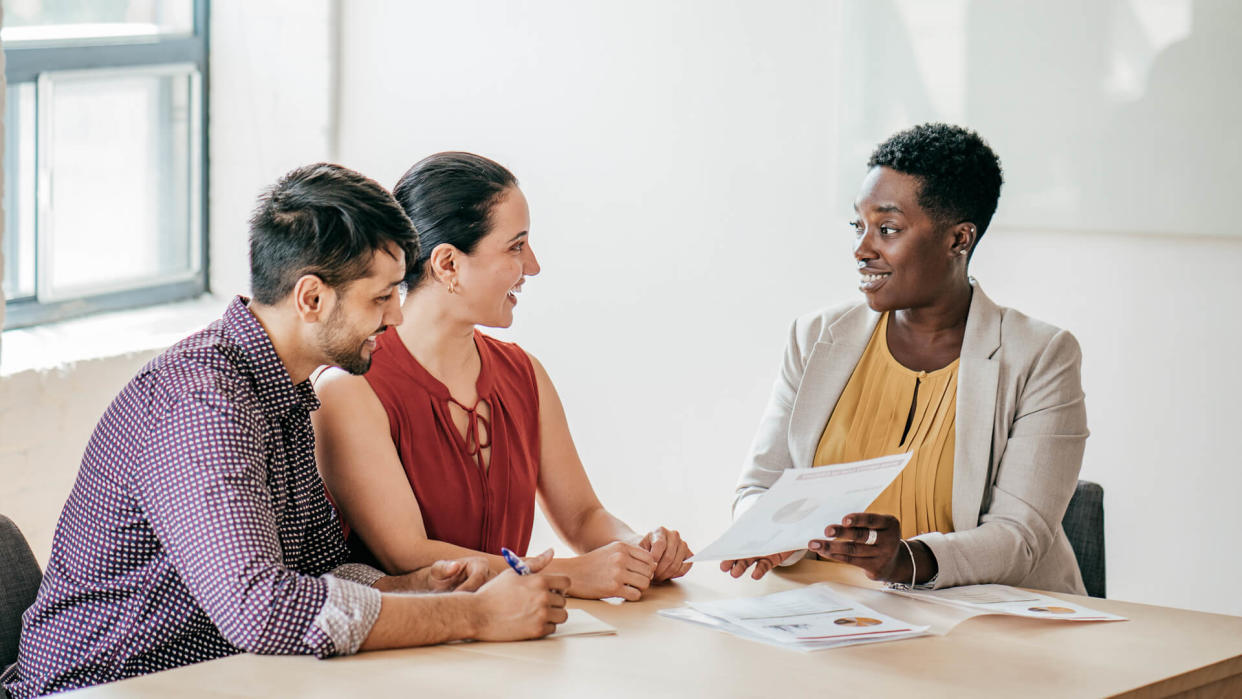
(514, 562)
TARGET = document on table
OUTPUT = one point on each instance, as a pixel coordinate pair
(1003, 599)
(582, 623)
(800, 504)
(808, 618)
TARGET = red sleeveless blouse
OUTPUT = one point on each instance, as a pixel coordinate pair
(462, 503)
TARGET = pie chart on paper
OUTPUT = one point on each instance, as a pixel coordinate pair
(793, 512)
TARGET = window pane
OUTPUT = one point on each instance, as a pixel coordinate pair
(19, 191)
(119, 163)
(78, 21)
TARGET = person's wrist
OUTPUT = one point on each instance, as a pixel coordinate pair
(929, 568)
(567, 567)
(899, 566)
(399, 583)
(475, 614)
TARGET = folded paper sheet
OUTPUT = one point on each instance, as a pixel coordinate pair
(581, 623)
(800, 504)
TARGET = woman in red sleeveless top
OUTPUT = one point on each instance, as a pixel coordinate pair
(443, 447)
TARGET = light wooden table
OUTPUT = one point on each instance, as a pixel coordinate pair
(1159, 652)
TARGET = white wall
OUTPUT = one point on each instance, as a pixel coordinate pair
(675, 158)
(272, 94)
(690, 167)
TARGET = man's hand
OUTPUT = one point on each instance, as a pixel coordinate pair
(454, 575)
(514, 607)
(669, 551)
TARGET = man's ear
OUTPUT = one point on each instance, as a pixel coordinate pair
(312, 299)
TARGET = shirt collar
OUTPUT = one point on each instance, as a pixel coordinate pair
(276, 391)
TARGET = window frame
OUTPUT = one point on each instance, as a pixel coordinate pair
(25, 64)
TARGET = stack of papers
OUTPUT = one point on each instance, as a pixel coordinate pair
(1003, 599)
(810, 618)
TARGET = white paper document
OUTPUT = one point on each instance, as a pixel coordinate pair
(1003, 599)
(808, 618)
(800, 504)
(582, 623)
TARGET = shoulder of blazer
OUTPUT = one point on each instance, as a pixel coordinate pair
(829, 324)
(1019, 334)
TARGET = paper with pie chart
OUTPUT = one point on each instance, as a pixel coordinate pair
(805, 618)
(800, 504)
(1003, 599)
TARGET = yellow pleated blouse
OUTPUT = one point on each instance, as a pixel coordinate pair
(889, 409)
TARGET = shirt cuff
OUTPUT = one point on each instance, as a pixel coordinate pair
(349, 613)
(360, 573)
(946, 572)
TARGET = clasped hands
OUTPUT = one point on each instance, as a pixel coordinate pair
(627, 568)
(870, 541)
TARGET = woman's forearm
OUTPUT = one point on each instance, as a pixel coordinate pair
(599, 527)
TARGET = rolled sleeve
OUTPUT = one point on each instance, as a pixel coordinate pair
(348, 615)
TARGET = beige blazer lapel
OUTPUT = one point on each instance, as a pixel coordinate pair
(977, 382)
(828, 369)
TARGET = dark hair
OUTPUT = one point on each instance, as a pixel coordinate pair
(961, 176)
(449, 198)
(326, 220)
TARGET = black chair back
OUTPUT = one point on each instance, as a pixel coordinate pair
(1084, 525)
(19, 583)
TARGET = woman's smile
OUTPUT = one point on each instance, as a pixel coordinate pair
(868, 282)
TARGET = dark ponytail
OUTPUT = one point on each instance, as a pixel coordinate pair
(449, 198)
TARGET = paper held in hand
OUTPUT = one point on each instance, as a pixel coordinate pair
(800, 504)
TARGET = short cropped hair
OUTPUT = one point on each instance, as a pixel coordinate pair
(961, 175)
(325, 220)
(449, 197)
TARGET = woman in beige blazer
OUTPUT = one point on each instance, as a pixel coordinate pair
(1019, 414)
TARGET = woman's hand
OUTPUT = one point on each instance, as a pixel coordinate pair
(668, 551)
(618, 569)
(849, 544)
(762, 564)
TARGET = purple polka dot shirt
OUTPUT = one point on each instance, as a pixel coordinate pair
(198, 526)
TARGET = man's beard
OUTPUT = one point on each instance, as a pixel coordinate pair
(341, 349)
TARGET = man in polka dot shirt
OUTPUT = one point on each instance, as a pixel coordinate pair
(198, 526)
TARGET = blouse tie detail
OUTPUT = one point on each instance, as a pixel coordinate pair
(474, 445)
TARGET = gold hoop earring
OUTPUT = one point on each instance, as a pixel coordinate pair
(452, 286)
